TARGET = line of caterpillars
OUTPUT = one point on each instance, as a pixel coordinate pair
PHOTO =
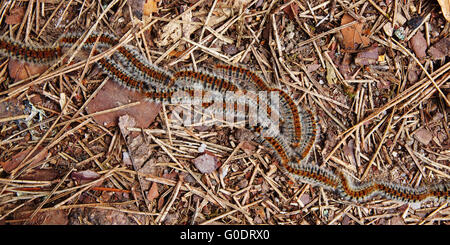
(292, 147)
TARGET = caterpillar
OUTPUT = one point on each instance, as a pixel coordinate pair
(128, 57)
(131, 70)
(28, 53)
(346, 188)
(300, 128)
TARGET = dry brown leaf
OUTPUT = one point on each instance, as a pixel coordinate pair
(206, 163)
(19, 70)
(112, 95)
(230, 49)
(150, 6)
(413, 76)
(174, 30)
(331, 73)
(423, 135)
(440, 49)
(445, 6)
(292, 10)
(248, 147)
(50, 217)
(153, 192)
(353, 35)
(11, 107)
(349, 151)
(15, 16)
(240, 3)
(176, 53)
(367, 57)
(85, 176)
(40, 174)
(312, 67)
(11, 164)
(187, 28)
(126, 122)
(388, 29)
(419, 45)
(111, 217)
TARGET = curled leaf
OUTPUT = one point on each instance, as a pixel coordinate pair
(353, 35)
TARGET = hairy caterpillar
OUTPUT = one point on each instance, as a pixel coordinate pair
(128, 68)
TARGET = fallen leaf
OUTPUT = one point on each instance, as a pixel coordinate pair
(171, 175)
(50, 217)
(413, 76)
(153, 192)
(388, 29)
(160, 202)
(440, 49)
(85, 176)
(423, 135)
(169, 34)
(346, 220)
(188, 29)
(312, 67)
(150, 6)
(400, 19)
(248, 148)
(243, 134)
(126, 159)
(206, 163)
(419, 45)
(126, 122)
(39, 174)
(19, 70)
(11, 107)
(397, 220)
(445, 6)
(112, 95)
(331, 74)
(260, 212)
(305, 199)
(242, 183)
(11, 164)
(240, 3)
(344, 67)
(15, 15)
(353, 35)
(230, 49)
(291, 10)
(174, 30)
(171, 219)
(367, 57)
(175, 53)
(111, 217)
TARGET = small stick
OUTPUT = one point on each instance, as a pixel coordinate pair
(169, 205)
(388, 126)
